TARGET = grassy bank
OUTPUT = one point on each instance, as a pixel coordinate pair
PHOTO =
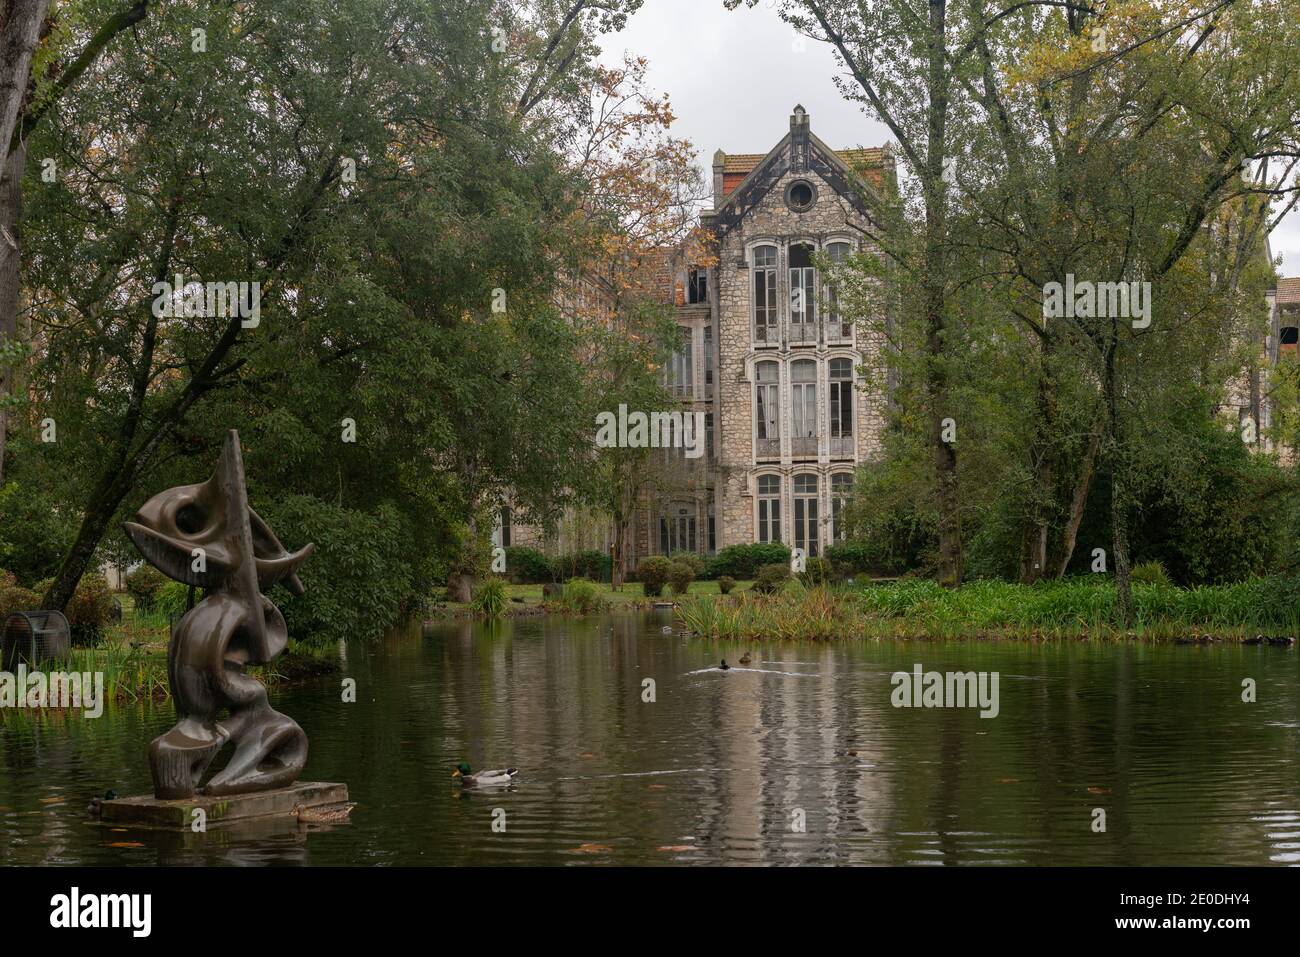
(132, 655)
(1076, 608)
(528, 599)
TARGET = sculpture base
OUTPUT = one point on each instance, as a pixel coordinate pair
(148, 811)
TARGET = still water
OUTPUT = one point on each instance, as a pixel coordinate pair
(723, 767)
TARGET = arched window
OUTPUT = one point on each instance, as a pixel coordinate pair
(805, 514)
(803, 407)
(765, 307)
(767, 409)
(836, 326)
(803, 293)
(677, 528)
(769, 508)
(841, 492)
(841, 386)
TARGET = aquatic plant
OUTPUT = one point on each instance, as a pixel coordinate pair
(490, 599)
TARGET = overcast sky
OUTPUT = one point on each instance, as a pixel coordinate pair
(734, 77)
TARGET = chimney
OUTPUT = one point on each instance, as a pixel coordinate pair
(799, 139)
(719, 187)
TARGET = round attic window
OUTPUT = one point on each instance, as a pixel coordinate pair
(800, 195)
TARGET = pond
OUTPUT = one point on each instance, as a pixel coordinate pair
(799, 759)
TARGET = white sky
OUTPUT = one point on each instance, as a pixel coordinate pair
(734, 76)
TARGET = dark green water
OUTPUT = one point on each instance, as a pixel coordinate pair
(719, 767)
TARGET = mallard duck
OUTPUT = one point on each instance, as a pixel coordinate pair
(745, 658)
(480, 779)
(323, 813)
(724, 666)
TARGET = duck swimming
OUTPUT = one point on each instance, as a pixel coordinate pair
(482, 778)
(745, 658)
(724, 666)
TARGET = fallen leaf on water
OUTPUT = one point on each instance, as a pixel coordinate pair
(587, 754)
(119, 829)
(1008, 780)
(126, 844)
(656, 787)
(1098, 790)
(677, 848)
(592, 849)
(53, 800)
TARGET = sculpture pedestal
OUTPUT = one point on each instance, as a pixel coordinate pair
(178, 815)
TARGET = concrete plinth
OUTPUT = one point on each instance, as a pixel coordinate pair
(147, 811)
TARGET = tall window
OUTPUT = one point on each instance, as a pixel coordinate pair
(803, 407)
(713, 535)
(708, 436)
(767, 409)
(769, 508)
(805, 514)
(841, 492)
(681, 369)
(803, 304)
(697, 285)
(841, 384)
(504, 521)
(677, 528)
(836, 325)
(765, 306)
(708, 361)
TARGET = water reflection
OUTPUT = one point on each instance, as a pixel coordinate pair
(725, 766)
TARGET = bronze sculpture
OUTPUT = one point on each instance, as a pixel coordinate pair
(206, 536)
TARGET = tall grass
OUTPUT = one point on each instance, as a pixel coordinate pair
(1078, 607)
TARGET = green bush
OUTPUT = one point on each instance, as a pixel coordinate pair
(816, 571)
(527, 566)
(173, 599)
(771, 578)
(1150, 573)
(696, 562)
(725, 584)
(35, 532)
(490, 598)
(743, 561)
(652, 572)
(580, 596)
(143, 586)
(680, 576)
(594, 565)
(16, 598)
(90, 608)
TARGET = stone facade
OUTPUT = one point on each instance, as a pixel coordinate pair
(799, 197)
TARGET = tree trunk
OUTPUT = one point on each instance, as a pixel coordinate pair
(1078, 501)
(11, 207)
(1118, 500)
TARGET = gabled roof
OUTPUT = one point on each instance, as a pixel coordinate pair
(867, 163)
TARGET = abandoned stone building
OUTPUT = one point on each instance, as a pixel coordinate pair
(766, 358)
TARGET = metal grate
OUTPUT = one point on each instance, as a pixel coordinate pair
(35, 636)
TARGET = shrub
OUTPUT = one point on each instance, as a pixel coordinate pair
(743, 561)
(143, 585)
(527, 566)
(817, 571)
(490, 598)
(90, 608)
(696, 562)
(653, 574)
(594, 565)
(725, 584)
(1150, 573)
(173, 599)
(771, 578)
(680, 576)
(16, 598)
(34, 531)
(580, 596)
